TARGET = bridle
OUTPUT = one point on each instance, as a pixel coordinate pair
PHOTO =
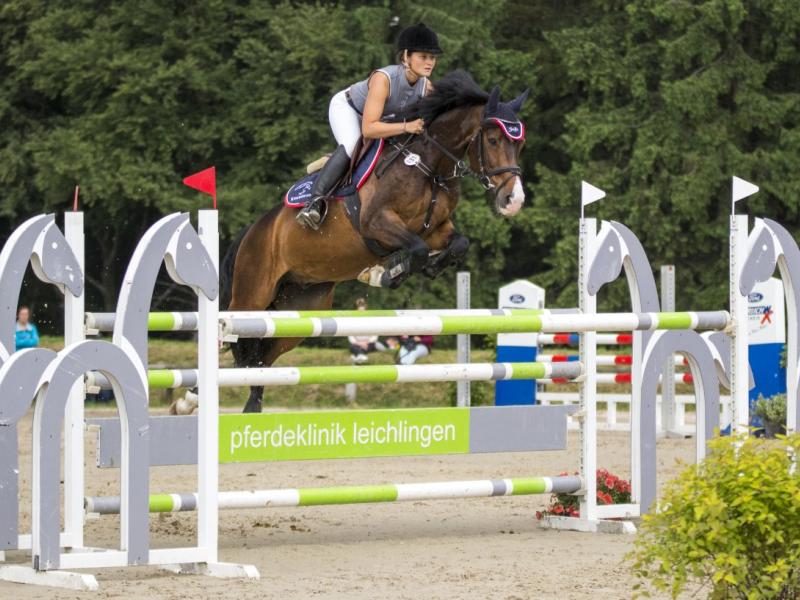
(461, 166)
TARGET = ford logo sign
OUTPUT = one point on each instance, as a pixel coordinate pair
(517, 298)
(755, 297)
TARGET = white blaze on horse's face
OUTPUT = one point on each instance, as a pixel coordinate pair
(515, 200)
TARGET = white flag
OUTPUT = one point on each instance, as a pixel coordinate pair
(742, 189)
(590, 194)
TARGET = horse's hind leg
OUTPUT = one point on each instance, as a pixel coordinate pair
(290, 297)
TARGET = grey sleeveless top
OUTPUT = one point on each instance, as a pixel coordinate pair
(401, 93)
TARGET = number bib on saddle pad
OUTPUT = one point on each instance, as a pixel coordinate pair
(300, 192)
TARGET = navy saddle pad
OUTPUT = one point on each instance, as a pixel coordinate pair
(300, 192)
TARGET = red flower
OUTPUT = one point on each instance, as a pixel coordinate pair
(610, 481)
(538, 515)
(558, 509)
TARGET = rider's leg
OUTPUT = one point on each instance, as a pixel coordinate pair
(346, 127)
(312, 213)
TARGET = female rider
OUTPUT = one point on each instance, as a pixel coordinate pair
(361, 109)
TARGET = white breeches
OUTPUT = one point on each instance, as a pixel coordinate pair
(345, 122)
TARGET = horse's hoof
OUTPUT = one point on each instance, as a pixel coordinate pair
(252, 407)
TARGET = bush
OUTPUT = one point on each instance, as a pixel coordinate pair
(730, 524)
(772, 411)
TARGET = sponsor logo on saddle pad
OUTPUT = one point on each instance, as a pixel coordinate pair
(300, 192)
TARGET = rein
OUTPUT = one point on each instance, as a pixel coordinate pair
(461, 167)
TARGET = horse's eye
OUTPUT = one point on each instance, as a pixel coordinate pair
(493, 141)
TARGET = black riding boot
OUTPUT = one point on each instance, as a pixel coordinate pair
(313, 212)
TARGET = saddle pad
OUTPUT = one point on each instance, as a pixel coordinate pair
(300, 192)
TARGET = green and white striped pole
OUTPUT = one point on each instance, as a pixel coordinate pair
(263, 326)
(362, 494)
(276, 376)
(102, 322)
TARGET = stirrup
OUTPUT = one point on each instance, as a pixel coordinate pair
(310, 215)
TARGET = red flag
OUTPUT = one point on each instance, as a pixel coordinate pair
(205, 181)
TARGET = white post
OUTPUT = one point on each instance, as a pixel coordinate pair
(73, 423)
(588, 390)
(208, 402)
(740, 367)
(668, 412)
(463, 340)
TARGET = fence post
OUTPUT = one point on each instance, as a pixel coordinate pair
(668, 413)
(462, 341)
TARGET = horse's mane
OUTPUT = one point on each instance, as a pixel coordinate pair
(454, 90)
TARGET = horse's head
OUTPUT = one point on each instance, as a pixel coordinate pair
(189, 263)
(494, 156)
(761, 258)
(54, 262)
(607, 263)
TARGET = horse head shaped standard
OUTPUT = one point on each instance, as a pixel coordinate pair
(189, 263)
(173, 240)
(54, 262)
(39, 242)
(618, 247)
(500, 140)
(606, 265)
(770, 245)
(762, 258)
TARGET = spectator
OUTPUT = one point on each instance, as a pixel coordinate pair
(361, 345)
(27, 336)
(411, 348)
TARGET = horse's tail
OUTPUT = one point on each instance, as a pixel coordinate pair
(226, 269)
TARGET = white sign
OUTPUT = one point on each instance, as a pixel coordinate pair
(519, 294)
(766, 313)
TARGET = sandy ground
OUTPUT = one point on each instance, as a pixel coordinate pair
(478, 548)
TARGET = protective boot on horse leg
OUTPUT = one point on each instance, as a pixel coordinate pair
(313, 213)
(452, 255)
(402, 264)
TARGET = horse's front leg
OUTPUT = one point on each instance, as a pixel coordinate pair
(452, 248)
(388, 228)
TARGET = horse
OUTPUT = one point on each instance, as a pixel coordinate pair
(405, 221)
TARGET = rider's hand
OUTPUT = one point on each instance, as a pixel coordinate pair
(415, 126)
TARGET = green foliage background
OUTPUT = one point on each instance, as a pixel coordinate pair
(657, 102)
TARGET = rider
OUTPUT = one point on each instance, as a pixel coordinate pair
(361, 109)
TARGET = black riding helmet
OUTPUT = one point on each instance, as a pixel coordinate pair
(418, 38)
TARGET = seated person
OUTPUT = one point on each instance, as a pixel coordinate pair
(411, 348)
(361, 345)
(27, 335)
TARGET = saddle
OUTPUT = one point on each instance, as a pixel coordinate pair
(361, 167)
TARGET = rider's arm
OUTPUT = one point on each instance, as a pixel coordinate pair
(371, 124)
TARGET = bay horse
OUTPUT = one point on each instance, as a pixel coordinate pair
(406, 207)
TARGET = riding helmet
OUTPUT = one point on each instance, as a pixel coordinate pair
(418, 38)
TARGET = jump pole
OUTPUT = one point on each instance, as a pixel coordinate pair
(283, 376)
(363, 494)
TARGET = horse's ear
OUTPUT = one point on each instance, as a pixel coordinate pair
(494, 100)
(516, 103)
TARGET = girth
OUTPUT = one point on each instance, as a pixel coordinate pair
(352, 208)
